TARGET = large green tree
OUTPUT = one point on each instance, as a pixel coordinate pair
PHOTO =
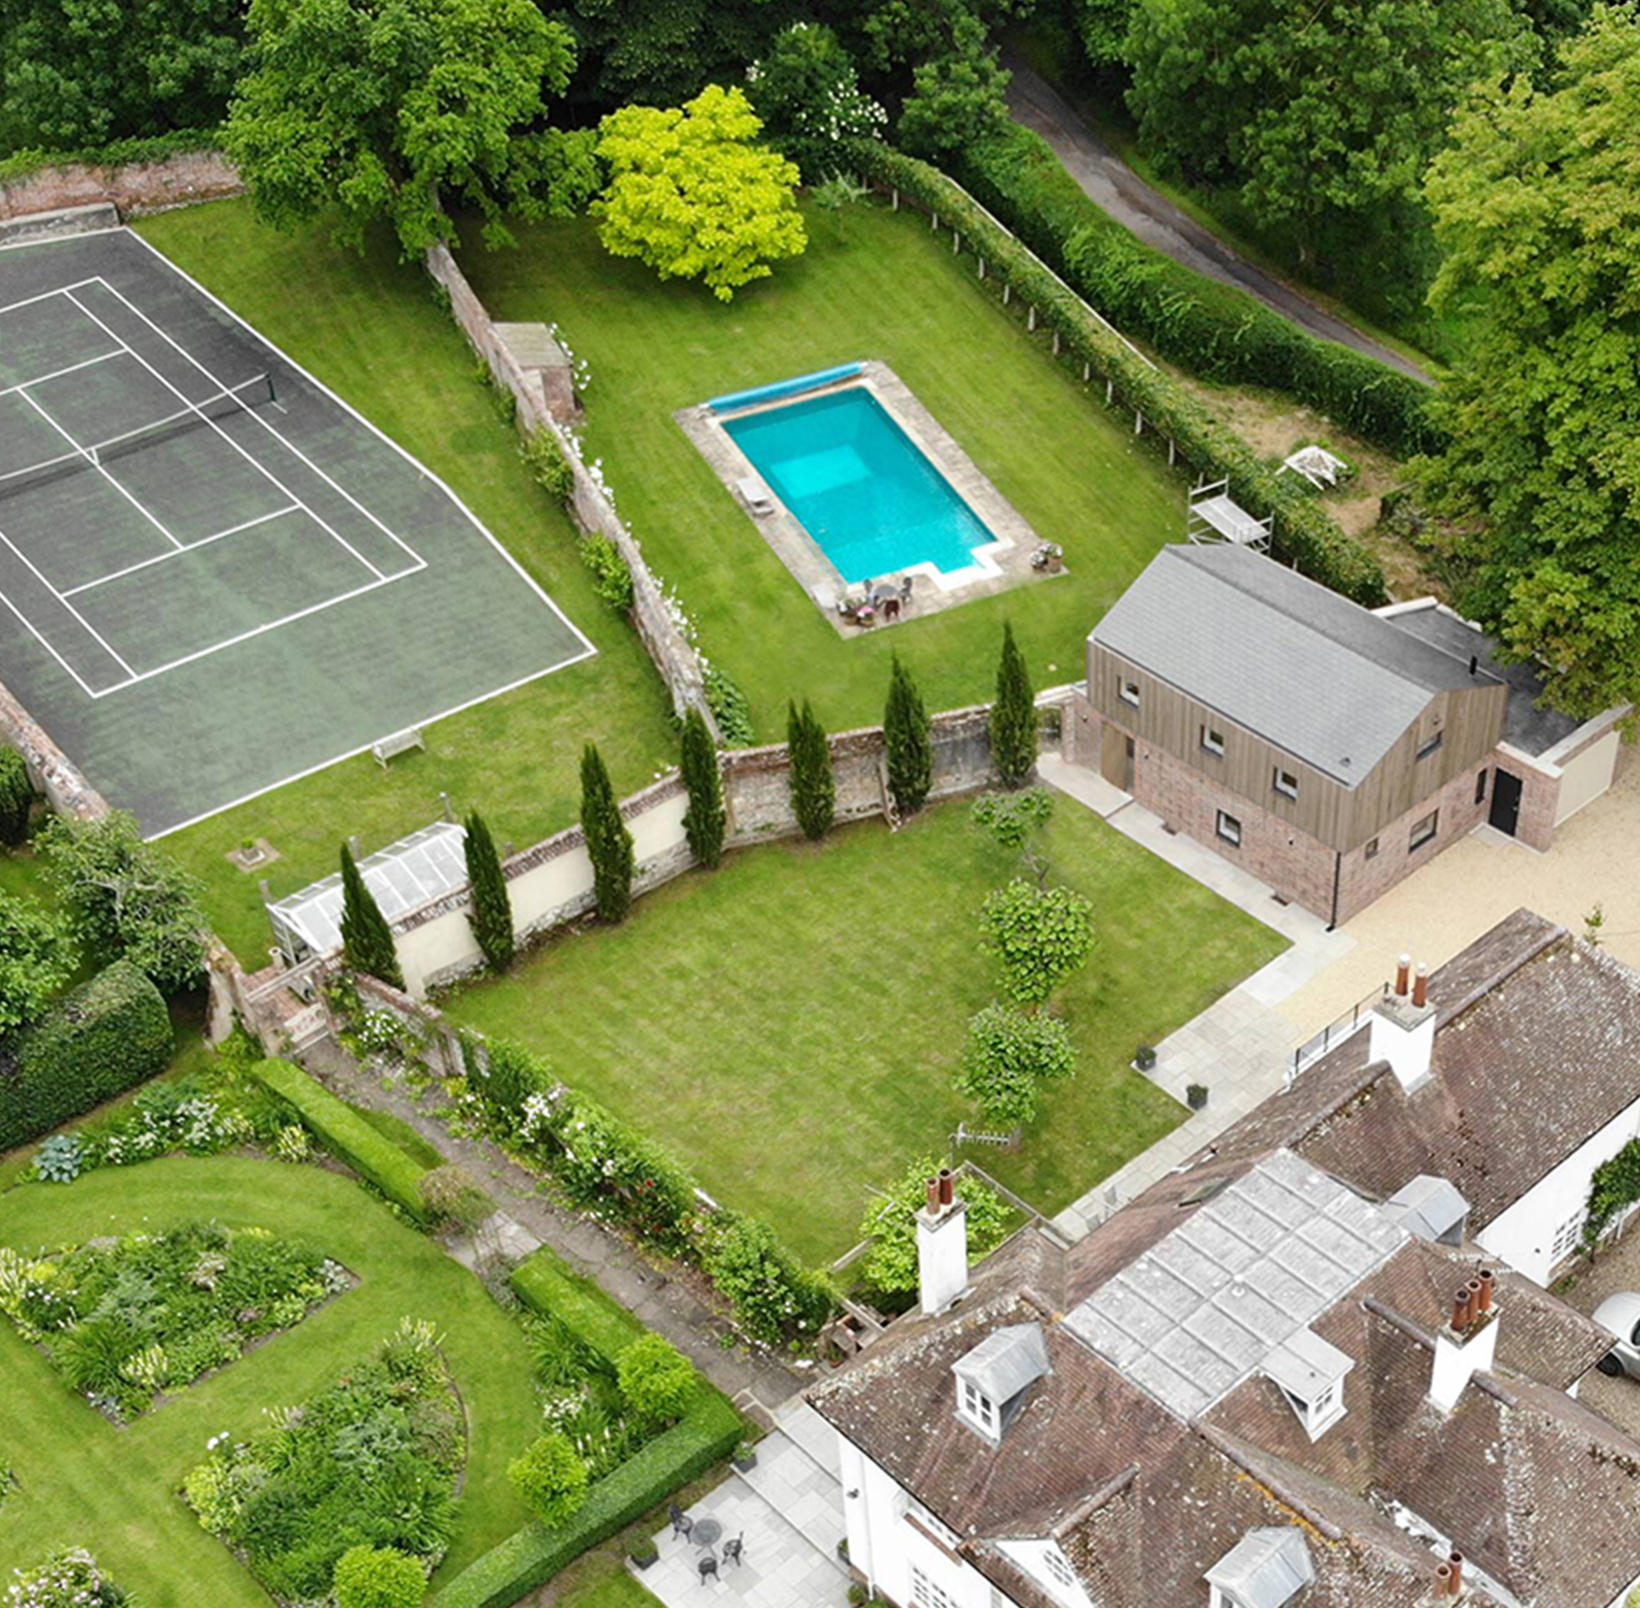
(808, 94)
(491, 917)
(1014, 723)
(609, 843)
(36, 959)
(706, 819)
(692, 194)
(957, 93)
(813, 786)
(367, 939)
(394, 109)
(908, 741)
(1538, 215)
(1315, 112)
(82, 72)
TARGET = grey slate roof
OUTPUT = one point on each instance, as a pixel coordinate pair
(1203, 1308)
(1266, 1567)
(1005, 1362)
(1321, 677)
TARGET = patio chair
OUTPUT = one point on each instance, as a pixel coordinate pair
(682, 1524)
(707, 1565)
(735, 1551)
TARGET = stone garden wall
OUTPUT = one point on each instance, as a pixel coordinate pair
(133, 187)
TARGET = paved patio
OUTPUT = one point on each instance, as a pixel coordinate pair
(788, 1513)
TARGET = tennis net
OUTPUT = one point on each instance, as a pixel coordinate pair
(253, 393)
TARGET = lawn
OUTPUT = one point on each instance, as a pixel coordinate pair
(83, 1482)
(368, 327)
(789, 1025)
(872, 284)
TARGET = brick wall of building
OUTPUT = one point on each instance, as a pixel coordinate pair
(1539, 804)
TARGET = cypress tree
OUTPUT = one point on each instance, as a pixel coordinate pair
(609, 844)
(16, 796)
(703, 778)
(367, 940)
(492, 919)
(908, 739)
(1013, 716)
(814, 790)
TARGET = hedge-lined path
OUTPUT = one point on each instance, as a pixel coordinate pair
(1159, 222)
(82, 1481)
(757, 1384)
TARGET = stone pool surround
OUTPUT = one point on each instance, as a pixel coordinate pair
(1001, 564)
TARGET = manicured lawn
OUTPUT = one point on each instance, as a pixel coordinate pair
(602, 1581)
(84, 1482)
(789, 1024)
(873, 284)
(369, 328)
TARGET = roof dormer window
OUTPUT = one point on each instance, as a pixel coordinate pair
(994, 1380)
(1310, 1374)
(977, 1407)
(1265, 1569)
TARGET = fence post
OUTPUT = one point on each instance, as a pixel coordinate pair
(1007, 291)
(1172, 451)
(1110, 392)
(1138, 424)
(1056, 343)
(1030, 322)
(956, 243)
(934, 222)
(982, 267)
(893, 200)
(1087, 372)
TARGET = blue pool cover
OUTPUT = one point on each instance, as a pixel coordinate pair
(780, 388)
(860, 486)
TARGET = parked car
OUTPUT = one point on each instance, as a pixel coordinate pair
(1621, 1314)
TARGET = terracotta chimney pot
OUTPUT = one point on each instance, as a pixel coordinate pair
(1403, 972)
(1443, 1580)
(1462, 1310)
(1488, 1282)
(1420, 988)
(933, 1197)
(947, 1185)
(1455, 1563)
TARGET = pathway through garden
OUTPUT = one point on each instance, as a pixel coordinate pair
(757, 1383)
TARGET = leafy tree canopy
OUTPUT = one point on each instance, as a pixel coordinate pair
(36, 959)
(388, 109)
(693, 196)
(1538, 215)
(890, 1223)
(1007, 1058)
(957, 93)
(808, 94)
(1039, 936)
(552, 1477)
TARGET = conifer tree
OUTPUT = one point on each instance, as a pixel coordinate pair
(814, 790)
(908, 739)
(609, 844)
(367, 940)
(703, 779)
(492, 919)
(1013, 716)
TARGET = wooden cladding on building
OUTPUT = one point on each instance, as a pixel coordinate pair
(1455, 732)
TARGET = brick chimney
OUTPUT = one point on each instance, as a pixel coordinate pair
(1466, 1345)
(942, 1245)
(1402, 1029)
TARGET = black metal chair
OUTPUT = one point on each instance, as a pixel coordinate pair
(682, 1524)
(735, 1551)
(707, 1565)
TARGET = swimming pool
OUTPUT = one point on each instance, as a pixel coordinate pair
(860, 486)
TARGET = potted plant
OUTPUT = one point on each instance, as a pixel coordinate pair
(643, 1552)
(1144, 1058)
(745, 1455)
(842, 1549)
(1196, 1095)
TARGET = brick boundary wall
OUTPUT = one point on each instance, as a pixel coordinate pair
(133, 187)
(54, 773)
(674, 655)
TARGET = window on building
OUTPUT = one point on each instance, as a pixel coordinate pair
(938, 1526)
(1059, 1567)
(977, 1407)
(1429, 745)
(1229, 828)
(1371, 852)
(1424, 830)
(1567, 1237)
(1480, 787)
(1286, 783)
(1213, 741)
(925, 1593)
(1128, 691)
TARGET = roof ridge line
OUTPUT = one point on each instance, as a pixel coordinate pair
(1111, 1489)
(1231, 1447)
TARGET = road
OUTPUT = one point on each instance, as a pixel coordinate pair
(1110, 182)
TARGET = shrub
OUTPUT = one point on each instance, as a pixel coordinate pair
(609, 843)
(1007, 1057)
(1039, 936)
(611, 576)
(451, 1194)
(1013, 716)
(730, 708)
(773, 1294)
(99, 1040)
(552, 1477)
(657, 1381)
(36, 959)
(813, 787)
(548, 464)
(907, 741)
(72, 1579)
(16, 797)
(61, 1159)
(379, 1577)
(367, 940)
(492, 917)
(890, 1223)
(706, 818)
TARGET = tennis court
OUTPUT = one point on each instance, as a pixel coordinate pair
(214, 576)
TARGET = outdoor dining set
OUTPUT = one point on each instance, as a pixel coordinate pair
(705, 1534)
(877, 600)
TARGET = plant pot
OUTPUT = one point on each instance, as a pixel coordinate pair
(1196, 1096)
(641, 1558)
(1144, 1059)
(747, 1462)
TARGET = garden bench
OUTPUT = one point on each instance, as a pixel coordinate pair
(401, 742)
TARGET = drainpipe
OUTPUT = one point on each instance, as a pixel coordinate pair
(1338, 872)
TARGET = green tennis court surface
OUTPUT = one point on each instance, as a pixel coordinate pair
(214, 576)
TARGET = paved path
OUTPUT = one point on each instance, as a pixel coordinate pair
(1241, 1046)
(757, 1384)
(1159, 222)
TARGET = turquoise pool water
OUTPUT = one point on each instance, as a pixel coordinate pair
(860, 486)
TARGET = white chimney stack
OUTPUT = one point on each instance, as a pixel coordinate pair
(1467, 1345)
(942, 1245)
(1402, 1029)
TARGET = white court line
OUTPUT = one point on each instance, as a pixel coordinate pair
(289, 446)
(91, 463)
(212, 424)
(46, 295)
(39, 637)
(57, 374)
(91, 630)
(165, 558)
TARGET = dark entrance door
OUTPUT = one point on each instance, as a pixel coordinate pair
(1505, 801)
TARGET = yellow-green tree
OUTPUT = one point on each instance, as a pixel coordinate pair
(694, 196)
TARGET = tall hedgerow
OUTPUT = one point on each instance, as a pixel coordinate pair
(609, 844)
(492, 918)
(813, 787)
(1013, 716)
(16, 796)
(908, 740)
(706, 818)
(367, 940)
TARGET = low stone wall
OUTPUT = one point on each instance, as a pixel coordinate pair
(134, 187)
(675, 657)
(54, 773)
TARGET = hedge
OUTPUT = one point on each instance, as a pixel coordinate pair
(1304, 534)
(1213, 330)
(706, 1435)
(97, 1041)
(343, 1131)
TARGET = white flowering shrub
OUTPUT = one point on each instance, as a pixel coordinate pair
(72, 1579)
